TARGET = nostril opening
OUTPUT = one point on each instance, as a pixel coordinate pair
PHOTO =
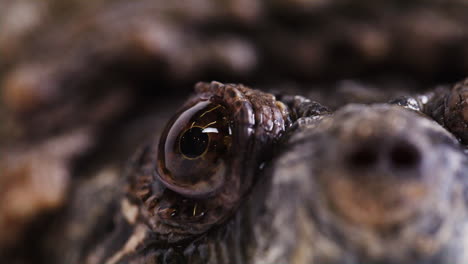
(405, 155)
(364, 157)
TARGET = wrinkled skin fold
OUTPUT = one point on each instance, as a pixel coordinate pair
(379, 183)
(373, 113)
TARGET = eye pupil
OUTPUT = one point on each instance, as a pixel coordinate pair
(193, 142)
(194, 150)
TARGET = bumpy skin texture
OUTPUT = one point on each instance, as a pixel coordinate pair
(359, 201)
(451, 111)
(85, 83)
(258, 120)
(365, 184)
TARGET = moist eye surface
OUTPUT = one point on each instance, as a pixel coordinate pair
(194, 149)
(206, 160)
(193, 142)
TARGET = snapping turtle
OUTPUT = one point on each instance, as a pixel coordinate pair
(302, 174)
(242, 176)
(381, 183)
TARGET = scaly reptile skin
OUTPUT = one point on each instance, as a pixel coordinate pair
(381, 183)
(368, 116)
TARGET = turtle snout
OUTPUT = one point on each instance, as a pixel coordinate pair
(378, 182)
(384, 168)
(396, 155)
(369, 184)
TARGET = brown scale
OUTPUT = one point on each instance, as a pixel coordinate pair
(206, 158)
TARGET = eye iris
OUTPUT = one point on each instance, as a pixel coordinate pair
(194, 149)
(193, 142)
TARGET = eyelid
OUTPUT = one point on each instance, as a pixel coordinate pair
(248, 124)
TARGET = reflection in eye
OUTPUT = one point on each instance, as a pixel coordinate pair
(194, 149)
(207, 159)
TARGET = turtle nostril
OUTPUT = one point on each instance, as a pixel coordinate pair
(404, 155)
(364, 157)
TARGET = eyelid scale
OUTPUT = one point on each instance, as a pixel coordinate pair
(185, 197)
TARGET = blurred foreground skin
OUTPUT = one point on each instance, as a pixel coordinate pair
(366, 184)
(84, 84)
(370, 184)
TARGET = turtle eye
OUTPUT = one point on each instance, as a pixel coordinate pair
(194, 149)
(207, 160)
